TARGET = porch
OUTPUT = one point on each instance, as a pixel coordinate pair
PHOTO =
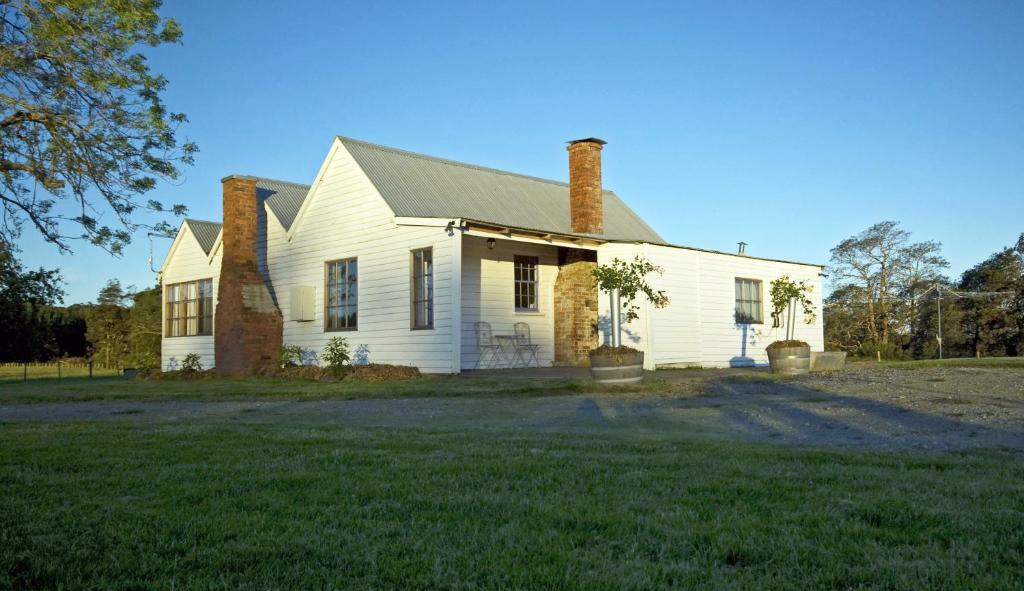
(514, 289)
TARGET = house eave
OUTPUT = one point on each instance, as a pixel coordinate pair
(492, 230)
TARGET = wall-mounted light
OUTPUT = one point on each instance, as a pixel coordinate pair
(490, 243)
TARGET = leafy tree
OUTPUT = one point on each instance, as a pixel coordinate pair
(23, 297)
(786, 294)
(923, 340)
(81, 119)
(994, 318)
(144, 329)
(108, 326)
(631, 280)
(877, 277)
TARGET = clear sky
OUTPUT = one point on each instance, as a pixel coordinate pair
(788, 126)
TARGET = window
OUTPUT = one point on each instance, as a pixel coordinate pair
(341, 295)
(526, 280)
(189, 308)
(748, 301)
(422, 288)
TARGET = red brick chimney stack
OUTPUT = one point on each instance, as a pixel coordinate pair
(586, 204)
(247, 325)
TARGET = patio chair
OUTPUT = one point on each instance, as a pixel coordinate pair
(486, 343)
(525, 348)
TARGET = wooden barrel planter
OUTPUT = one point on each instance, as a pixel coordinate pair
(790, 360)
(617, 366)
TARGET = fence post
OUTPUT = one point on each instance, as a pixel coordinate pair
(26, 371)
(58, 369)
(90, 369)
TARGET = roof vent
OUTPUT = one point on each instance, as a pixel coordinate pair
(743, 249)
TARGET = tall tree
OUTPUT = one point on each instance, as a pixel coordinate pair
(83, 130)
(108, 327)
(23, 294)
(994, 314)
(144, 330)
(878, 275)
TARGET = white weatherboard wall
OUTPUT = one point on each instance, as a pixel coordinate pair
(346, 217)
(187, 262)
(698, 326)
(488, 291)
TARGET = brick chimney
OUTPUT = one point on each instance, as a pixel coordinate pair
(248, 325)
(586, 204)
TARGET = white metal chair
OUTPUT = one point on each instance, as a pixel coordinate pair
(486, 343)
(525, 345)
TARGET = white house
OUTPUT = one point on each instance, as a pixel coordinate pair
(404, 255)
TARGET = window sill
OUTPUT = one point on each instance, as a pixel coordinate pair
(530, 313)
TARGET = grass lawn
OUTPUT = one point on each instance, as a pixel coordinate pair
(85, 389)
(237, 505)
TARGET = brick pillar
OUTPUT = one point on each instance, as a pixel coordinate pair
(575, 306)
(586, 201)
(248, 325)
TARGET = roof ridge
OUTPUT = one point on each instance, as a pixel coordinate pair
(456, 162)
(203, 221)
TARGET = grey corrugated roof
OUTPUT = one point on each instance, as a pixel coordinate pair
(283, 198)
(205, 232)
(416, 185)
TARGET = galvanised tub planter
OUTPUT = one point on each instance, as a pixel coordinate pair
(790, 361)
(617, 366)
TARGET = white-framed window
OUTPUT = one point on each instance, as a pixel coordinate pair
(341, 295)
(422, 287)
(526, 278)
(749, 301)
(188, 308)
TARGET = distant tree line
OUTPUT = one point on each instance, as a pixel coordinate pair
(121, 329)
(887, 292)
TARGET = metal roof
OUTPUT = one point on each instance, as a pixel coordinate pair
(205, 232)
(283, 198)
(415, 185)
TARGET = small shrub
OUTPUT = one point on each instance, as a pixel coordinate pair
(192, 363)
(290, 356)
(336, 353)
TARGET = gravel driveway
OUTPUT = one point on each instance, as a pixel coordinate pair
(941, 409)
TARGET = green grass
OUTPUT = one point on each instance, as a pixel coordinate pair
(84, 389)
(230, 505)
(984, 362)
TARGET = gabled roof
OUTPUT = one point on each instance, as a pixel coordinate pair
(283, 198)
(415, 185)
(205, 232)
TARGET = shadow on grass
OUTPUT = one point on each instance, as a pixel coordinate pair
(788, 412)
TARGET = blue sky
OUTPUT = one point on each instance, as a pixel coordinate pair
(788, 126)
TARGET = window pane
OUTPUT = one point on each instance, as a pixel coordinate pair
(340, 295)
(524, 279)
(748, 300)
(422, 288)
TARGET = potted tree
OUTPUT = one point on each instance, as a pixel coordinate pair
(615, 363)
(790, 356)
